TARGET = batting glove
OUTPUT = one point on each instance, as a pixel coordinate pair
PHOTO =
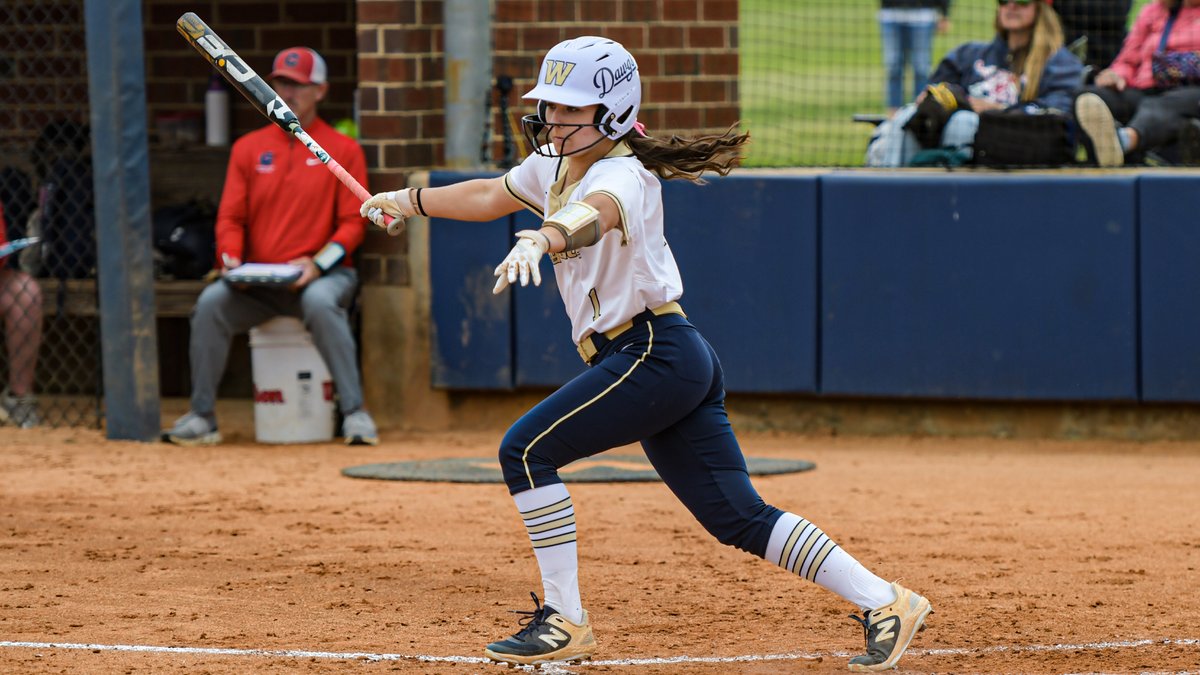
(397, 204)
(522, 261)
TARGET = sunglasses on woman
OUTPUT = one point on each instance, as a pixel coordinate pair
(1019, 3)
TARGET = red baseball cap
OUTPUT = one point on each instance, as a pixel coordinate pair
(299, 64)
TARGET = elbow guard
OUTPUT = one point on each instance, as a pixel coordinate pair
(579, 224)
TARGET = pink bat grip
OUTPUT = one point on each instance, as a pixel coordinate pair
(394, 225)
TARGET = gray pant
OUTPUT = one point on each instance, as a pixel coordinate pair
(223, 311)
(1158, 115)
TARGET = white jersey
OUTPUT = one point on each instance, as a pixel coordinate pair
(631, 269)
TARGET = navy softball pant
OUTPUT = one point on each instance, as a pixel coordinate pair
(659, 383)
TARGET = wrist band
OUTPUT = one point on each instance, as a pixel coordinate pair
(420, 207)
(331, 254)
(414, 201)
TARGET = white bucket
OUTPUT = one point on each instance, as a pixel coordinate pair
(293, 391)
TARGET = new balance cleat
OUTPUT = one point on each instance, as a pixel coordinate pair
(889, 630)
(546, 637)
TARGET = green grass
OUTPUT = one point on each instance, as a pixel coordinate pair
(808, 65)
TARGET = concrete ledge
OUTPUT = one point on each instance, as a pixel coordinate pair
(872, 417)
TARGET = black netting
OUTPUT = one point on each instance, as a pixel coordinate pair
(813, 82)
(50, 362)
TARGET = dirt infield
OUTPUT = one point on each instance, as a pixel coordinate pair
(1039, 557)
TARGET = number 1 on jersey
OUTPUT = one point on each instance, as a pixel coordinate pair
(595, 304)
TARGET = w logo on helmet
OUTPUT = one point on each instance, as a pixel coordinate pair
(557, 72)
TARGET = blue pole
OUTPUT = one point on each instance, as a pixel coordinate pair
(117, 95)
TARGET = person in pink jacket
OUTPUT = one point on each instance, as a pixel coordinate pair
(1127, 111)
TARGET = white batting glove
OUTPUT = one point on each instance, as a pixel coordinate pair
(522, 261)
(398, 204)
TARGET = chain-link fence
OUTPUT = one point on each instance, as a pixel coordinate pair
(50, 363)
(817, 75)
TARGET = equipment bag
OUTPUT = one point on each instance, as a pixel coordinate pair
(184, 235)
(68, 222)
(1020, 138)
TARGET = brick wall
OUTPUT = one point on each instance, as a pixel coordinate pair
(686, 50)
(51, 86)
(177, 77)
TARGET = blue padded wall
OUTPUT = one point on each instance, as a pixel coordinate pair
(1170, 289)
(545, 354)
(747, 249)
(993, 287)
(472, 329)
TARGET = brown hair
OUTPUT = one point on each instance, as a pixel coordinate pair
(689, 157)
(1046, 40)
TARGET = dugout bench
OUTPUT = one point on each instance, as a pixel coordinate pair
(174, 298)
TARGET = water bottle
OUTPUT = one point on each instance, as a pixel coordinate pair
(216, 113)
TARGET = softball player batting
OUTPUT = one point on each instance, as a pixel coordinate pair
(594, 179)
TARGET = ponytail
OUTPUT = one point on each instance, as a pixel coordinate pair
(689, 157)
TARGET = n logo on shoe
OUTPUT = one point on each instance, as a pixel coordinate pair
(554, 638)
(887, 629)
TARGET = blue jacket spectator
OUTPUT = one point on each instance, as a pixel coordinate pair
(982, 69)
(1026, 67)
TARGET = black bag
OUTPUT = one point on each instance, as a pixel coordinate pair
(185, 236)
(68, 223)
(941, 101)
(1022, 137)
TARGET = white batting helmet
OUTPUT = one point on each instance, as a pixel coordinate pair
(592, 70)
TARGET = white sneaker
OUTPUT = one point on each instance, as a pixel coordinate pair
(19, 410)
(192, 429)
(359, 429)
(1099, 130)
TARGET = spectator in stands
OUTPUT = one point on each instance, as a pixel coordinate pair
(21, 306)
(906, 28)
(281, 205)
(1102, 22)
(1130, 109)
(1025, 67)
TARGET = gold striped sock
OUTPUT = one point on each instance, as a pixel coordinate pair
(806, 549)
(551, 525)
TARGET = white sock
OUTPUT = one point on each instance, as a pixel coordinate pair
(550, 520)
(802, 548)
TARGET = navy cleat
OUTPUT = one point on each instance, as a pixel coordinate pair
(546, 637)
(889, 629)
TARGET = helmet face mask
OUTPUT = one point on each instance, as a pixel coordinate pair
(587, 71)
(537, 132)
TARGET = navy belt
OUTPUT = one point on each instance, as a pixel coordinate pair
(592, 344)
